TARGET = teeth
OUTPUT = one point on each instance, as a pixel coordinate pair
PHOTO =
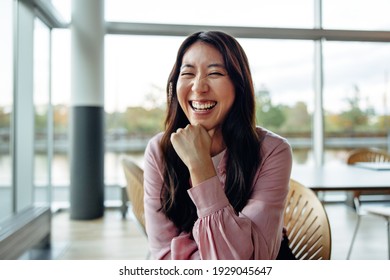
(202, 106)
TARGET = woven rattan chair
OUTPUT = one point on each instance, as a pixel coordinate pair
(367, 155)
(307, 224)
(135, 191)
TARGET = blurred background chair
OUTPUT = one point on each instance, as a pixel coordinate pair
(365, 155)
(375, 156)
(307, 224)
(135, 192)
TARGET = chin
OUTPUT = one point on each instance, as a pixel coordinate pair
(207, 127)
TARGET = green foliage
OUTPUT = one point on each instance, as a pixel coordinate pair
(5, 118)
(354, 119)
(273, 117)
(268, 115)
(136, 120)
(298, 119)
(40, 120)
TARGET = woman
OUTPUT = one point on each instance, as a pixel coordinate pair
(215, 184)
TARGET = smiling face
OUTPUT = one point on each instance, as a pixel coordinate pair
(204, 89)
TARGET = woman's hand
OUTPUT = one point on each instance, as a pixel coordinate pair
(193, 145)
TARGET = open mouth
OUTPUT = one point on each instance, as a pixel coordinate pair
(203, 106)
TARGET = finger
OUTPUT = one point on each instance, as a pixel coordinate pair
(199, 127)
(173, 136)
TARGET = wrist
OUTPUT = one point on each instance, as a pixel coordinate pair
(201, 172)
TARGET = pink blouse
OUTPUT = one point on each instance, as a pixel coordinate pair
(219, 233)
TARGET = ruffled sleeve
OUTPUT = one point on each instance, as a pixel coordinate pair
(255, 232)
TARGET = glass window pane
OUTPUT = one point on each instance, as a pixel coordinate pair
(41, 106)
(6, 107)
(283, 74)
(61, 85)
(276, 13)
(352, 14)
(356, 97)
(135, 81)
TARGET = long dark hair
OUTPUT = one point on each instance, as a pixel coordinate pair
(238, 131)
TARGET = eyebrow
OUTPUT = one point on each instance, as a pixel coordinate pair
(209, 66)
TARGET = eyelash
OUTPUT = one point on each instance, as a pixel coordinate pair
(191, 74)
(216, 73)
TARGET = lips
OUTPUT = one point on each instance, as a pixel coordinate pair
(202, 105)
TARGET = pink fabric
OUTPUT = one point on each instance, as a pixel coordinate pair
(219, 233)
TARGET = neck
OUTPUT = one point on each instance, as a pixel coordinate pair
(217, 145)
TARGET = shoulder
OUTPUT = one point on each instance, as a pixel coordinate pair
(272, 142)
(153, 162)
(154, 143)
(269, 138)
(153, 150)
(276, 160)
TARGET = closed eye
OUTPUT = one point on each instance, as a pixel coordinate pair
(216, 74)
(186, 74)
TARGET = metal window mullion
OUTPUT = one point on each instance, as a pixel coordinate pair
(14, 109)
(318, 114)
(47, 13)
(317, 33)
(50, 128)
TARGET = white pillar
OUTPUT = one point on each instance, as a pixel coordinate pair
(87, 114)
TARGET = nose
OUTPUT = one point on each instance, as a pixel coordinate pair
(200, 85)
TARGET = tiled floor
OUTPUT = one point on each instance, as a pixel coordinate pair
(371, 239)
(110, 237)
(115, 238)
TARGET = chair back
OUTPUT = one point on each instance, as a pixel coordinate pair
(367, 155)
(135, 190)
(307, 224)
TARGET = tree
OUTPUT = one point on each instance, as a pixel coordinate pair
(354, 117)
(5, 118)
(267, 114)
(298, 118)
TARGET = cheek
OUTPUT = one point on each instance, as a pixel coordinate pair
(181, 96)
(230, 98)
(181, 86)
